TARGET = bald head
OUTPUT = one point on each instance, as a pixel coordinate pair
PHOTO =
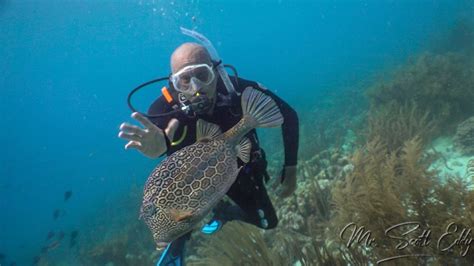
(189, 54)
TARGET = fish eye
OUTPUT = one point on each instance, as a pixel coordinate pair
(149, 210)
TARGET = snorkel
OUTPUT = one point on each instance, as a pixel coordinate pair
(214, 56)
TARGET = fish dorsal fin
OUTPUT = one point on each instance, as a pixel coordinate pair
(243, 150)
(180, 215)
(206, 130)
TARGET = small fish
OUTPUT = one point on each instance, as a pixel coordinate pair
(54, 245)
(2, 256)
(67, 195)
(56, 214)
(50, 235)
(13, 264)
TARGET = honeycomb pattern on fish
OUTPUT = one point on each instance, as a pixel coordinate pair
(184, 187)
(200, 180)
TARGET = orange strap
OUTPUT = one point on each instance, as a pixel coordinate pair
(167, 94)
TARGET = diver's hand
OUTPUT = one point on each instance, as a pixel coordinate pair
(288, 181)
(149, 140)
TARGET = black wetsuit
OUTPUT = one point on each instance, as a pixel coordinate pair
(248, 191)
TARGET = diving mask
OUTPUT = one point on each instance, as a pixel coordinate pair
(191, 79)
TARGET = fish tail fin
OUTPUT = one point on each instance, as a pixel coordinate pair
(260, 109)
(243, 150)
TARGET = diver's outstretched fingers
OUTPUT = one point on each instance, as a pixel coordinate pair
(128, 136)
(134, 144)
(126, 127)
(143, 120)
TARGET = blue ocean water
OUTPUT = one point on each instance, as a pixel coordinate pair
(67, 66)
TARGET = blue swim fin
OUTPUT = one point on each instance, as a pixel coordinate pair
(171, 256)
(211, 227)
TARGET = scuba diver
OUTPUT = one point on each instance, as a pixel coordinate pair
(199, 88)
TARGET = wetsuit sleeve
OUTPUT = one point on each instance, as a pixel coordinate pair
(290, 128)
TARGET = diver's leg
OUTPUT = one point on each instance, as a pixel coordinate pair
(173, 255)
(250, 194)
(223, 212)
(252, 204)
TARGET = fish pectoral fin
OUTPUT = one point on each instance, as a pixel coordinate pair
(243, 150)
(180, 215)
(206, 130)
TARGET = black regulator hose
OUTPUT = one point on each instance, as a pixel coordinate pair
(129, 99)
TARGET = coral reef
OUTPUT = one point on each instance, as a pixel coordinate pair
(470, 170)
(388, 188)
(237, 244)
(440, 85)
(448, 161)
(464, 137)
(312, 196)
(128, 248)
(394, 124)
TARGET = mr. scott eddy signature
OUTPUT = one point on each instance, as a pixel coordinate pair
(410, 234)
